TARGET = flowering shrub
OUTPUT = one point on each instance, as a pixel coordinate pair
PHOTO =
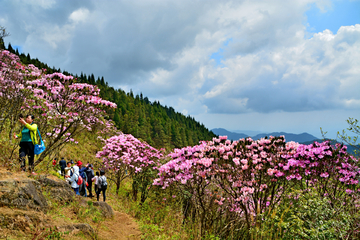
(14, 90)
(126, 155)
(244, 179)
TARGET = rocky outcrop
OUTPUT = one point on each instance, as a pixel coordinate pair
(60, 191)
(22, 194)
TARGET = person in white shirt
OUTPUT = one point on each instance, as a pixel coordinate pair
(95, 180)
(68, 171)
(73, 180)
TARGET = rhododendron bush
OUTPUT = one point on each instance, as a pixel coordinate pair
(235, 182)
(14, 90)
(62, 107)
(125, 156)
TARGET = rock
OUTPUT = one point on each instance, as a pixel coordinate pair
(61, 191)
(22, 194)
(105, 209)
(21, 220)
(77, 227)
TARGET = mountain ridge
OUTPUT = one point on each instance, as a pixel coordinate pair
(302, 137)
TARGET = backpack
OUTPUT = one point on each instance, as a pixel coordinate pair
(83, 175)
(79, 180)
(102, 182)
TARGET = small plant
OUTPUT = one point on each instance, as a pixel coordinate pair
(47, 233)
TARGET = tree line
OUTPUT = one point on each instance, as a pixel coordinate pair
(158, 125)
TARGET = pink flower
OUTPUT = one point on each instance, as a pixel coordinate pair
(270, 171)
(349, 191)
(324, 175)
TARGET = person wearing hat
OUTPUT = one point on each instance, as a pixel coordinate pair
(82, 188)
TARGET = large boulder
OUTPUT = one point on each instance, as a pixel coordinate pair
(22, 194)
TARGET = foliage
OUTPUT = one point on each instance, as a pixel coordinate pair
(353, 128)
(226, 183)
(3, 34)
(308, 216)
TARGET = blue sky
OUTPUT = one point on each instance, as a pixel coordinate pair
(339, 13)
(263, 65)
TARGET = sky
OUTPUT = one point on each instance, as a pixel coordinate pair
(264, 65)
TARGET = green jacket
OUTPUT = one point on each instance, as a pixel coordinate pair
(33, 130)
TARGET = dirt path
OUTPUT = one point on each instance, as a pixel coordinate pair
(121, 227)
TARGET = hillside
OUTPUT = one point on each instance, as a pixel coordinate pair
(160, 126)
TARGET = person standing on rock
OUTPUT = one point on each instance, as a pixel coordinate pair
(27, 142)
(102, 185)
(73, 180)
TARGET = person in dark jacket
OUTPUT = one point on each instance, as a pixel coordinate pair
(102, 182)
(62, 164)
(90, 174)
(82, 188)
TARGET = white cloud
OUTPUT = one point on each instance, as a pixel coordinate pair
(163, 49)
(80, 15)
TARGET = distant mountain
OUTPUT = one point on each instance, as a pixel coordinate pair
(247, 132)
(230, 135)
(300, 138)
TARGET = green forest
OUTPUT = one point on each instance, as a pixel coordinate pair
(158, 125)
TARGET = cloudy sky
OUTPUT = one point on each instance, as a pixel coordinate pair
(264, 65)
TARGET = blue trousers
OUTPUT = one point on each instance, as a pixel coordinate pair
(76, 190)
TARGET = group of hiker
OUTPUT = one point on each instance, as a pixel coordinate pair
(80, 177)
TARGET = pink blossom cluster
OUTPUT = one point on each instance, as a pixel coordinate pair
(126, 151)
(250, 175)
